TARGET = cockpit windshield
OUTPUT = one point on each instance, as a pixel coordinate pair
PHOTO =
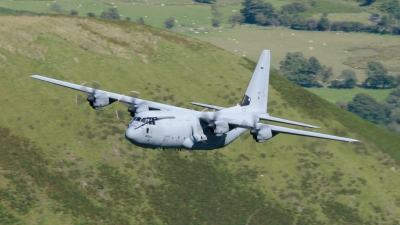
(138, 121)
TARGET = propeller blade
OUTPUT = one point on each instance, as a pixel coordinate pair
(96, 85)
(120, 115)
(79, 100)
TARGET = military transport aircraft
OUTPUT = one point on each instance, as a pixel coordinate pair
(156, 125)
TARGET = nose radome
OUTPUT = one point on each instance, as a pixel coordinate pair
(132, 134)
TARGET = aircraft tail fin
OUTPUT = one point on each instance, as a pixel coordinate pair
(256, 96)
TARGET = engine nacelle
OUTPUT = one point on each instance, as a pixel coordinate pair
(98, 100)
(263, 134)
(221, 127)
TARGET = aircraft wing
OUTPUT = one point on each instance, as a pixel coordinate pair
(279, 120)
(207, 106)
(285, 130)
(113, 96)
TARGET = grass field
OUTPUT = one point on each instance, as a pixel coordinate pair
(334, 95)
(335, 49)
(338, 50)
(83, 171)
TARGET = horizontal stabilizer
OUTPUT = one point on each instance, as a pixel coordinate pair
(279, 120)
(207, 106)
(308, 133)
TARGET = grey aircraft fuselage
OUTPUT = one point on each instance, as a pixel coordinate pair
(183, 131)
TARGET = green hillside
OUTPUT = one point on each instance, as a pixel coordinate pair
(63, 163)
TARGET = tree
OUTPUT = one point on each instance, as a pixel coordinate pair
(347, 79)
(326, 74)
(368, 108)
(206, 1)
(254, 7)
(128, 19)
(296, 68)
(91, 14)
(377, 77)
(73, 13)
(312, 24)
(261, 19)
(235, 18)
(367, 2)
(217, 14)
(294, 7)
(314, 66)
(111, 14)
(140, 20)
(393, 100)
(323, 24)
(169, 23)
(391, 7)
(56, 7)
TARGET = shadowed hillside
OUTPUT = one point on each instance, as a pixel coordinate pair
(63, 163)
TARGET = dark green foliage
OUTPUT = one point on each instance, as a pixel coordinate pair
(367, 2)
(323, 24)
(169, 23)
(206, 1)
(56, 7)
(368, 108)
(73, 12)
(306, 73)
(340, 213)
(217, 14)
(236, 18)
(346, 80)
(391, 7)
(128, 19)
(294, 7)
(91, 15)
(254, 7)
(377, 77)
(140, 20)
(111, 13)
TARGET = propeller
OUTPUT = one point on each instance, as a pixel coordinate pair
(132, 106)
(210, 118)
(254, 130)
(90, 93)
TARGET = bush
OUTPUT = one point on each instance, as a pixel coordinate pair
(236, 18)
(111, 14)
(378, 78)
(91, 14)
(169, 23)
(56, 7)
(294, 7)
(347, 79)
(206, 1)
(73, 12)
(140, 20)
(254, 7)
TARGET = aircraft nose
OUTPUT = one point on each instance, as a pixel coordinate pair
(132, 134)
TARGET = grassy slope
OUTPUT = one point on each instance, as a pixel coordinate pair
(86, 172)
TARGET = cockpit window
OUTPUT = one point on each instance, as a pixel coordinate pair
(143, 120)
(137, 119)
(152, 121)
